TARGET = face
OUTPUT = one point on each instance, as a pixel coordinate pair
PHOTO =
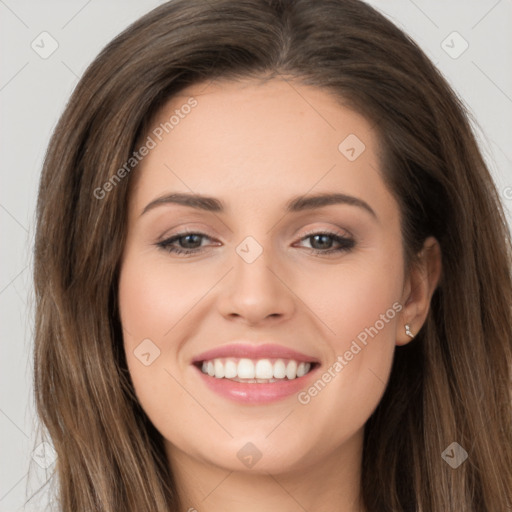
(292, 307)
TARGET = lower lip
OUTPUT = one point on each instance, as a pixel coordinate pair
(256, 393)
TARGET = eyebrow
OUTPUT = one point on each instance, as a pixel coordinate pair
(296, 204)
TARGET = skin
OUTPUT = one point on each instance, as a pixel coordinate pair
(255, 146)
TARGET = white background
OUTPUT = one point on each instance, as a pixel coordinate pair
(33, 93)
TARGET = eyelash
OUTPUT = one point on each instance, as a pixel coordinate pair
(346, 243)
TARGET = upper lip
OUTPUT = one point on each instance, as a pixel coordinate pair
(252, 351)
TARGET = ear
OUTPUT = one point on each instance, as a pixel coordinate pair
(419, 287)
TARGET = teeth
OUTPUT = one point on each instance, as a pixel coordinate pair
(301, 370)
(279, 369)
(291, 370)
(230, 369)
(264, 369)
(246, 369)
(255, 371)
(219, 369)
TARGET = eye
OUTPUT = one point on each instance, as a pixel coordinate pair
(324, 241)
(189, 242)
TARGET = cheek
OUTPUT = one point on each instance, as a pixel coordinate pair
(150, 304)
(351, 298)
(360, 306)
(154, 297)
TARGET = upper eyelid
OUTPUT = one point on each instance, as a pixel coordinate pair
(204, 231)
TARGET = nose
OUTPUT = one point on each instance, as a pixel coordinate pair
(257, 291)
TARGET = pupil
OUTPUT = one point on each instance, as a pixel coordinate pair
(326, 243)
(188, 237)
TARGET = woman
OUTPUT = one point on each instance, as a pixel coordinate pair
(342, 341)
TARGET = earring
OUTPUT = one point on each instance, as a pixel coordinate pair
(408, 331)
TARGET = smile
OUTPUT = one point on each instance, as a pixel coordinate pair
(255, 374)
(255, 371)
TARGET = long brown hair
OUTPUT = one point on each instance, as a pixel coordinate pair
(452, 384)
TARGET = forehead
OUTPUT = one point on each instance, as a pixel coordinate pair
(272, 139)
